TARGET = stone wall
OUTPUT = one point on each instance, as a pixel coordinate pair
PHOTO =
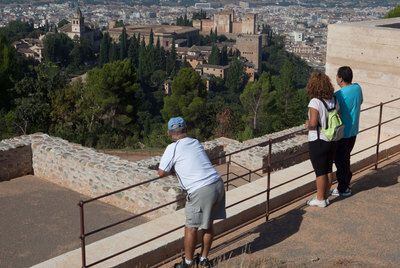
(285, 144)
(92, 173)
(15, 160)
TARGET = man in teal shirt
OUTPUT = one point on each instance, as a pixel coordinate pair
(350, 99)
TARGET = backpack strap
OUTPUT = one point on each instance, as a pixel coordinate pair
(327, 108)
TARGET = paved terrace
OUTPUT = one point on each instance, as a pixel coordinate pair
(362, 230)
(40, 220)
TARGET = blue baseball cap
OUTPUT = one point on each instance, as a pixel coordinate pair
(176, 122)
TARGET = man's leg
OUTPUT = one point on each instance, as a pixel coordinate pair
(340, 163)
(350, 145)
(207, 237)
(190, 242)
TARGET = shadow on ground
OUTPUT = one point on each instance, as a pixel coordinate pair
(307, 236)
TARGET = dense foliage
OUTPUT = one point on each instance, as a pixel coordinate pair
(122, 104)
(394, 13)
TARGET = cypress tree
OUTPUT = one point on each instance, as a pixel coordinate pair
(171, 61)
(142, 60)
(133, 50)
(123, 44)
(224, 56)
(214, 57)
(104, 49)
(113, 52)
(151, 38)
(157, 55)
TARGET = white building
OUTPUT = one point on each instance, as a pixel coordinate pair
(298, 37)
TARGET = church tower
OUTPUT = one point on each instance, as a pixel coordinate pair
(78, 24)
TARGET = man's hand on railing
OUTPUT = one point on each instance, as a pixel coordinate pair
(162, 173)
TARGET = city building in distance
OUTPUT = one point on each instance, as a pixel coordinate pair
(77, 29)
(226, 23)
(166, 33)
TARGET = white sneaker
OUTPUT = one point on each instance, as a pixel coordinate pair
(314, 202)
(335, 192)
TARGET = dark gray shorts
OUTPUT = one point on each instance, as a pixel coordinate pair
(205, 205)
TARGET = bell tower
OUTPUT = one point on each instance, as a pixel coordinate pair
(78, 23)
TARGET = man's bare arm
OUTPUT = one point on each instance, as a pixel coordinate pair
(162, 173)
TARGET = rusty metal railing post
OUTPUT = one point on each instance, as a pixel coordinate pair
(378, 139)
(227, 172)
(268, 177)
(82, 236)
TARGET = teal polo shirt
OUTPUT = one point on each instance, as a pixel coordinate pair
(350, 99)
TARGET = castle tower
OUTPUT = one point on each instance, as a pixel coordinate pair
(249, 23)
(250, 48)
(78, 24)
(223, 21)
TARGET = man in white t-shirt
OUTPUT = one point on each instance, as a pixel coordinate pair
(205, 189)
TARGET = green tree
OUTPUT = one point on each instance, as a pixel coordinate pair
(214, 57)
(224, 56)
(119, 23)
(103, 111)
(285, 84)
(13, 67)
(236, 78)
(254, 99)
(7, 66)
(188, 99)
(159, 56)
(151, 38)
(113, 54)
(394, 13)
(16, 30)
(123, 44)
(31, 112)
(183, 21)
(199, 15)
(57, 48)
(105, 44)
(171, 61)
(133, 50)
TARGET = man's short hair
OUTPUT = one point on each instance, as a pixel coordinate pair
(179, 130)
(346, 74)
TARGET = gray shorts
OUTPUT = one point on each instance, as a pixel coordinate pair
(205, 205)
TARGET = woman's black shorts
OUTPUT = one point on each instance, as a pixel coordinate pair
(322, 154)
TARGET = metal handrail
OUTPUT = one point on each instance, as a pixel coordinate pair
(268, 143)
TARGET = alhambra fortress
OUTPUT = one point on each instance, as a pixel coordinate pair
(371, 48)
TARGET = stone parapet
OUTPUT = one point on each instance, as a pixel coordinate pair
(92, 173)
(285, 145)
(15, 158)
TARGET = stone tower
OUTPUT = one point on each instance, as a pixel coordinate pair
(249, 46)
(223, 21)
(249, 23)
(78, 24)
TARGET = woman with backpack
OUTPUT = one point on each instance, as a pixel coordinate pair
(324, 128)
